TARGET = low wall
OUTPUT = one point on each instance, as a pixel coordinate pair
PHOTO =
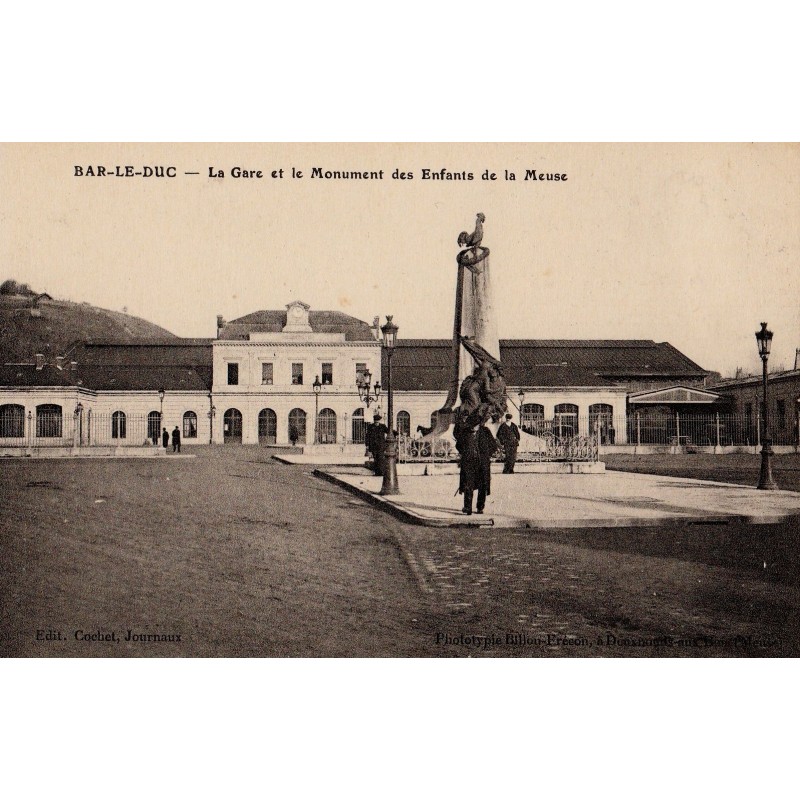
(85, 452)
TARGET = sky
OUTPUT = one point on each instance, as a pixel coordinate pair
(690, 244)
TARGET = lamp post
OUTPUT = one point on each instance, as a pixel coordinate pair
(765, 480)
(79, 423)
(521, 396)
(212, 411)
(317, 386)
(367, 394)
(161, 394)
(390, 486)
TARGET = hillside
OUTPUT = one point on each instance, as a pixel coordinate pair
(53, 325)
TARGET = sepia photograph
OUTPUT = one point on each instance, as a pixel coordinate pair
(399, 400)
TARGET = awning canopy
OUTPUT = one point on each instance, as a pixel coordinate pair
(674, 395)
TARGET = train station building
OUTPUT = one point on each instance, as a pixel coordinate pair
(269, 375)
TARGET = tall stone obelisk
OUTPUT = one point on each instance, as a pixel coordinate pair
(478, 320)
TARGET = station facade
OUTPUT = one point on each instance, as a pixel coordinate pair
(255, 384)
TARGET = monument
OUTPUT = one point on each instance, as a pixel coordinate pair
(476, 371)
(476, 392)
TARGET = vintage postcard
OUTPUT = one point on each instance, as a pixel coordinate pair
(399, 400)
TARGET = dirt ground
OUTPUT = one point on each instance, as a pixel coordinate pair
(233, 553)
(241, 556)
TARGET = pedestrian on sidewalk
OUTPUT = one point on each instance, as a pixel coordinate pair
(477, 445)
(165, 440)
(377, 443)
(176, 440)
(508, 436)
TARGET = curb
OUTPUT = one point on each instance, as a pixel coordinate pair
(398, 511)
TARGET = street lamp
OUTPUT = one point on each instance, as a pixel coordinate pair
(521, 396)
(367, 395)
(161, 394)
(765, 480)
(317, 386)
(212, 411)
(389, 331)
(79, 422)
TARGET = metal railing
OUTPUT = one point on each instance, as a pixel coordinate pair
(563, 437)
(705, 429)
(84, 429)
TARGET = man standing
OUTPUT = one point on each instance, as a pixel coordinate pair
(165, 440)
(377, 443)
(176, 440)
(508, 436)
(476, 446)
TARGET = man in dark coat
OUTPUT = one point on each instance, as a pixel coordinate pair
(165, 439)
(176, 440)
(476, 446)
(508, 436)
(377, 443)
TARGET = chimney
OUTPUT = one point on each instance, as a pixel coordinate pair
(797, 358)
(73, 366)
(59, 362)
(220, 324)
(39, 360)
(739, 372)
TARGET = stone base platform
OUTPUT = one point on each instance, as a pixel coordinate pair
(603, 500)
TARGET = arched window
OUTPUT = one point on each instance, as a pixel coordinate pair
(327, 426)
(359, 426)
(48, 421)
(565, 420)
(232, 426)
(297, 426)
(12, 422)
(118, 425)
(189, 425)
(533, 417)
(154, 426)
(267, 426)
(403, 423)
(601, 419)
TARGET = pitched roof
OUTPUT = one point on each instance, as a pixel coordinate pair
(425, 364)
(750, 380)
(178, 352)
(144, 378)
(28, 375)
(610, 357)
(354, 330)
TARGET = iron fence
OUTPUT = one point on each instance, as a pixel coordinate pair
(52, 426)
(705, 429)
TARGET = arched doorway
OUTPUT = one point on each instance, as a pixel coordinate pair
(190, 425)
(119, 425)
(533, 418)
(297, 426)
(267, 426)
(232, 426)
(601, 420)
(48, 421)
(154, 426)
(403, 423)
(565, 420)
(12, 421)
(327, 426)
(359, 426)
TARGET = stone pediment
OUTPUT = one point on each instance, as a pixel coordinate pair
(674, 394)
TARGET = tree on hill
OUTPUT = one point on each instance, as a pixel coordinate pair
(10, 286)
